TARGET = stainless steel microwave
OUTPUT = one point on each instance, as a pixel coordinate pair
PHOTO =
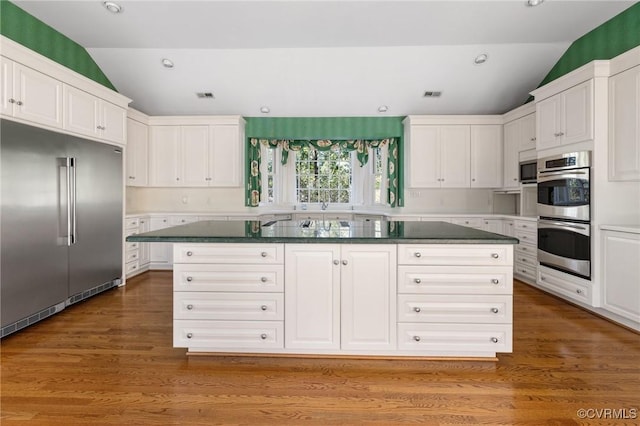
(528, 171)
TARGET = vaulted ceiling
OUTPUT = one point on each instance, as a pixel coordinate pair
(325, 58)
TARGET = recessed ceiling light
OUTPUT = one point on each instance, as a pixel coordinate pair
(383, 108)
(167, 63)
(265, 110)
(112, 7)
(533, 3)
(481, 59)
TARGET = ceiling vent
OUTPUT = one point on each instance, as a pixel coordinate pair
(205, 95)
(432, 94)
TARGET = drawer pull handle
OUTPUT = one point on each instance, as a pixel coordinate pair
(264, 279)
(578, 291)
(416, 338)
(524, 260)
(416, 309)
(417, 280)
(494, 339)
(495, 281)
(189, 335)
(263, 336)
(495, 310)
(189, 253)
(189, 279)
(263, 307)
(495, 255)
(189, 307)
(264, 254)
(417, 254)
(336, 262)
(524, 271)
(542, 278)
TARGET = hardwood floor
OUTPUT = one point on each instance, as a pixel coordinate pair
(109, 361)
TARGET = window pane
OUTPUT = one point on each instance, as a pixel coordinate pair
(327, 173)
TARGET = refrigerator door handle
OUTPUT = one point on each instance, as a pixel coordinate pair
(73, 234)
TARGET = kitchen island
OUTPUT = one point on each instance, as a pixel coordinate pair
(340, 288)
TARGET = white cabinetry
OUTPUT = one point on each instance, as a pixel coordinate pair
(439, 156)
(237, 308)
(486, 156)
(225, 155)
(624, 125)
(565, 118)
(527, 132)
(621, 274)
(340, 297)
(30, 95)
(137, 153)
(136, 253)
(160, 253)
(526, 252)
(511, 162)
(91, 116)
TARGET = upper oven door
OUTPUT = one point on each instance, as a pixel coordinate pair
(564, 194)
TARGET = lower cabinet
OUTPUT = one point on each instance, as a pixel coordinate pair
(526, 255)
(136, 254)
(344, 299)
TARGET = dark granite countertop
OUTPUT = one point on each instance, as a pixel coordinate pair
(320, 231)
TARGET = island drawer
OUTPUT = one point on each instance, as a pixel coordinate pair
(477, 309)
(228, 306)
(455, 254)
(460, 280)
(229, 335)
(229, 278)
(229, 253)
(455, 338)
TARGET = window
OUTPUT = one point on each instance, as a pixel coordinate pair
(323, 176)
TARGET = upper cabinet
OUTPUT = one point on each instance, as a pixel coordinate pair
(137, 153)
(89, 115)
(30, 95)
(624, 125)
(566, 117)
(486, 156)
(519, 137)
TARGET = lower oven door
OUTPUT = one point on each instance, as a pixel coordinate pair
(565, 246)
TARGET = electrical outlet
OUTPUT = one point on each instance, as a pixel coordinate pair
(185, 200)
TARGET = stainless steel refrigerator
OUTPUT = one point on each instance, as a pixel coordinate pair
(61, 222)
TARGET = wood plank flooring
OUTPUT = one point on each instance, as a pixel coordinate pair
(109, 361)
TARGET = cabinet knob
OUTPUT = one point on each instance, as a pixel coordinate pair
(336, 262)
(189, 335)
(473, 180)
(417, 254)
(19, 103)
(578, 291)
(417, 309)
(417, 280)
(515, 179)
(542, 278)
(495, 255)
(189, 279)
(189, 253)
(345, 262)
(12, 101)
(416, 338)
(264, 254)
(495, 281)
(494, 339)
(495, 310)
(263, 279)
(189, 307)
(263, 336)
(263, 307)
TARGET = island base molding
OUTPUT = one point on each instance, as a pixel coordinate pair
(394, 357)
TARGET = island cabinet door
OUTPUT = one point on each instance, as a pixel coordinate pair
(312, 296)
(368, 297)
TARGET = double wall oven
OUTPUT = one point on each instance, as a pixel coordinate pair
(564, 211)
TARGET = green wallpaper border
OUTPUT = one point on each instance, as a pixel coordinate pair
(34, 34)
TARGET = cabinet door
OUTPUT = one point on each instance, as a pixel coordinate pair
(512, 133)
(312, 302)
(486, 156)
(137, 153)
(424, 157)
(577, 122)
(528, 132)
(621, 252)
(624, 126)
(368, 297)
(7, 98)
(455, 156)
(81, 112)
(160, 252)
(548, 122)
(113, 122)
(225, 156)
(163, 156)
(145, 255)
(38, 97)
(194, 154)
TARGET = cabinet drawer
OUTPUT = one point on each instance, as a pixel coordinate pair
(230, 335)
(526, 250)
(471, 222)
(132, 223)
(228, 306)
(527, 238)
(526, 260)
(131, 255)
(455, 254)
(475, 309)
(460, 280)
(229, 253)
(528, 272)
(236, 278)
(131, 267)
(526, 226)
(566, 287)
(132, 246)
(455, 338)
(182, 220)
